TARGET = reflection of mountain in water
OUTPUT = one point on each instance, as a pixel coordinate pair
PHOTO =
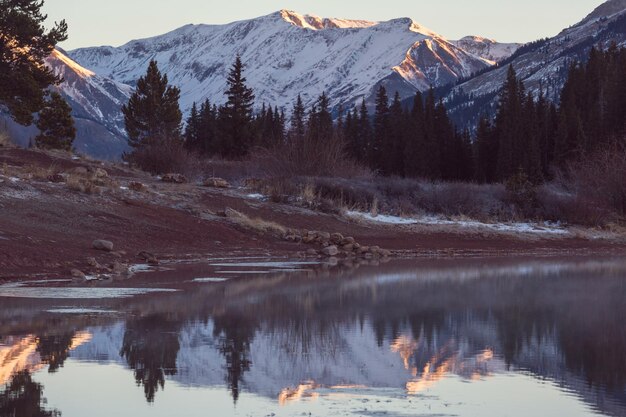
(383, 331)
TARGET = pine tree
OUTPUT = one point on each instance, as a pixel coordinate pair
(381, 129)
(395, 144)
(56, 125)
(152, 114)
(235, 117)
(364, 134)
(24, 45)
(321, 127)
(192, 129)
(298, 125)
(414, 153)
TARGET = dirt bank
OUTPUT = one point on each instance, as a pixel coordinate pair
(47, 227)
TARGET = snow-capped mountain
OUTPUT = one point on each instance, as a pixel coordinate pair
(487, 49)
(287, 54)
(542, 65)
(96, 106)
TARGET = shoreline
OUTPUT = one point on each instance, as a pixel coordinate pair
(48, 226)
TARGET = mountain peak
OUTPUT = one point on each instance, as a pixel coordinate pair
(607, 9)
(313, 22)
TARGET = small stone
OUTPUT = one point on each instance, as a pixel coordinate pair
(103, 245)
(148, 257)
(385, 253)
(330, 251)
(56, 178)
(93, 263)
(136, 186)
(174, 178)
(311, 252)
(216, 183)
(78, 274)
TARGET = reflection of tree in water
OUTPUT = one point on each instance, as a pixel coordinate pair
(236, 333)
(54, 349)
(150, 347)
(24, 398)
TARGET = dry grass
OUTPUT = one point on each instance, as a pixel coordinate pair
(83, 185)
(5, 140)
(257, 225)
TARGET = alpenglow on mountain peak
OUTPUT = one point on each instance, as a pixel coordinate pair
(313, 22)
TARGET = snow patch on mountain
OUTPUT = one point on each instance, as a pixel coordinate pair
(287, 54)
(486, 48)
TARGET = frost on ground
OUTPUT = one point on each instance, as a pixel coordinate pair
(546, 228)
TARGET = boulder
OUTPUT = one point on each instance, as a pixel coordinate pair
(174, 178)
(136, 186)
(119, 268)
(103, 245)
(100, 173)
(148, 257)
(348, 241)
(330, 251)
(216, 183)
(336, 238)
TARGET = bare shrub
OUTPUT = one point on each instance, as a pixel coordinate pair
(83, 185)
(164, 157)
(590, 191)
(5, 140)
(308, 157)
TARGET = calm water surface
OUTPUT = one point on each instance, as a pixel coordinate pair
(421, 338)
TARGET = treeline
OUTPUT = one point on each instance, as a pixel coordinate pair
(532, 136)
(529, 135)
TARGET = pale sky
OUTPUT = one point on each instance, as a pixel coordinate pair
(115, 22)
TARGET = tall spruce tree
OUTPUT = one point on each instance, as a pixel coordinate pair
(56, 124)
(24, 45)
(152, 114)
(414, 155)
(381, 129)
(235, 117)
(298, 124)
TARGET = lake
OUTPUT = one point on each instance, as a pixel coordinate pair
(252, 337)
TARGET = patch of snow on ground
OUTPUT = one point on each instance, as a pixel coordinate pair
(256, 196)
(207, 280)
(436, 220)
(79, 311)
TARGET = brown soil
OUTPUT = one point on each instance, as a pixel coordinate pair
(46, 228)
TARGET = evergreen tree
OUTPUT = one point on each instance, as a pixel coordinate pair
(395, 144)
(432, 148)
(298, 125)
(414, 152)
(364, 134)
(381, 129)
(56, 124)
(152, 114)
(486, 151)
(235, 117)
(321, 127)
(24, 45)
(192, 129)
